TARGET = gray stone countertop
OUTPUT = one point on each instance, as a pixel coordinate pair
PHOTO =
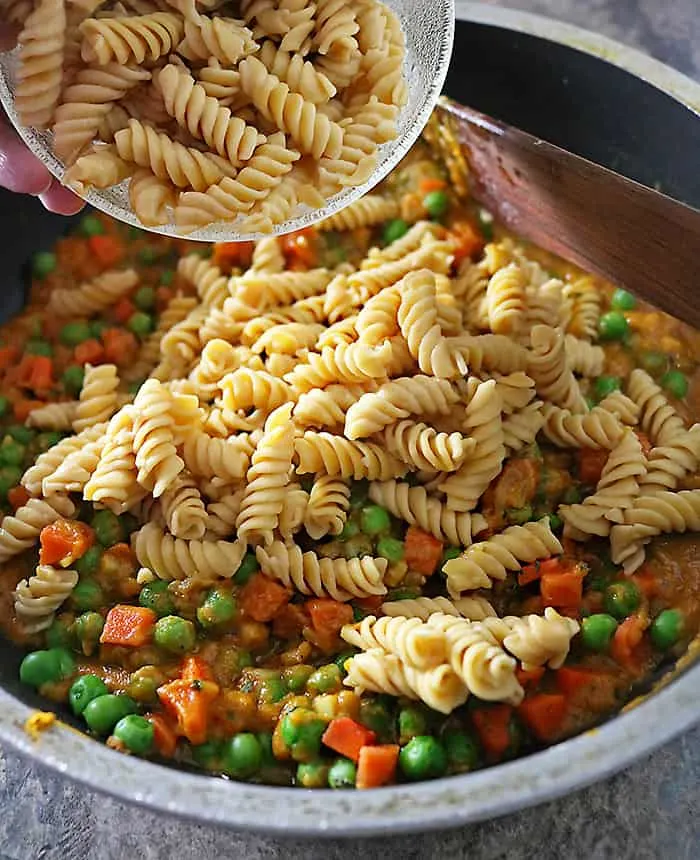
(645, 813)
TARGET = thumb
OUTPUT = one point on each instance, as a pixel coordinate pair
(20, 170)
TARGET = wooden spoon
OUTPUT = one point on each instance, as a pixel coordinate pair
(635, 237)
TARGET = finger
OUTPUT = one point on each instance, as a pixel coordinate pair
(60, 200)
(8, 36)
(19, 169)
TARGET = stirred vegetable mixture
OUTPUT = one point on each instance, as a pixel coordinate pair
(377, 502)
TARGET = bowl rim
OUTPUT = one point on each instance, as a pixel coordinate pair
(495, 791)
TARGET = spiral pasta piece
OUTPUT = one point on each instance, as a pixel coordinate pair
(94, 296)
(47, 463)
(478, 658)
(483, 562)
(413, 642)
(327, 407)
(98, 396)
(222, 83)
(268, 475)
(584, 358)
(135, 38)
(282, 288)
(247, 389)
(327, 454)
(505, 300)
(471, 608)
(208, 457)
(669, 464)
(416, 507)
(113, 482)
(53, 416)
(538, 640)
(584, 296)
(203, 561)
(619, 485)
(596, 429)
(398, 399)
(87, 101)
(520, 429)
(440, 688)
(622, 407)
(657, 417)
(19, 531)
(223, 512)
(365, 212)
(224, 39)
(299, 74)
(550, 368)
(226, 200)
(268, 257)
(37, 598)
(310, 130)
(74, 472)
(151, 198)
(355, 362)
(183, 509)
(423, 447)
(101, 167)
(157, 460)
(40, 71)
(327, 507)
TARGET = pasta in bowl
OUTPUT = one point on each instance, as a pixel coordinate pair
(226, 120)
(381, 501)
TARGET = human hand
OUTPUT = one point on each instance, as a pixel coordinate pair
(22, 171)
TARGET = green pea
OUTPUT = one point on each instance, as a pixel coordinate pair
(423, 757)
(89, 562)
(295, 677)
(72, 378)
(248, 567)
(4, 406)
(145, 298)
(12, 453)
(87, 594)
(97, 327)
(175, 634)
(140, 324)
(676, 383)
(104, 712)
(60, 634)
(133, 387)
(342, 774)
(555, 522)
(326, 679)
(341, 660)
(301, 730)
(108, 528)
(20, 433)
(667, 628)
(74, 333)
(572, 495)
(613, 326)
(272, 690)
(359, 493)
(10, 476)
(208, 755)
(219, 606)
(144, 683)
(653, 362)
(519, 516)
(621, 598)
(412, 722)
(605, 385)
(90, 225)
(167, 277)
(155, 596)
(312, 774)
(375, 520)
(38, 346)
(136, 733)
(462, 751)
(129, 522)
(376, 715)
(148, 255)
(390, 549)
(83, 690)
(242, 755)
(597, 631)
(436, 204)
(265, 741)
(623, 301)
(48, 439)
(394, 230)
(88, 629)
(350, 529)
(403, 594)
(43, 263)
(43, 667)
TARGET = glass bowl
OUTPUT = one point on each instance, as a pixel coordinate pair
(429, 29)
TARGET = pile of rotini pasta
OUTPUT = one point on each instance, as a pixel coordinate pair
(281, 406)
(212, 111)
